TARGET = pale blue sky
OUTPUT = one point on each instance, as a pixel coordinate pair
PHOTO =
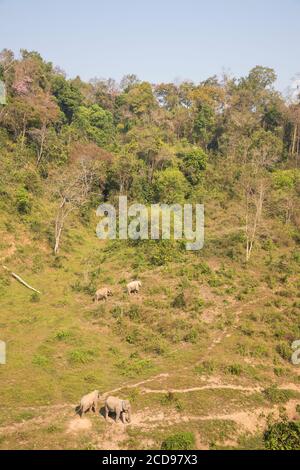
(159, 40)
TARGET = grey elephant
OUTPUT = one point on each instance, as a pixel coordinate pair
(102, 294)
(133, 287)
(122, 408)
(89, 401)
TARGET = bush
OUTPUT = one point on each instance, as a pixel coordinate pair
(81, 356)
(179, 301)
(284, 435)
(284, 351)
(35, 297)
(62, 335)
(23, 201)
(134, 366)
(179, 441)
(274, 395)
(234, 369)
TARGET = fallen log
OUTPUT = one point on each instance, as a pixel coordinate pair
(18, 278)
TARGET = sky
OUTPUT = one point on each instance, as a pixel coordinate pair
(158, 40)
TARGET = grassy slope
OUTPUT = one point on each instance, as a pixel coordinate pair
(61, 345)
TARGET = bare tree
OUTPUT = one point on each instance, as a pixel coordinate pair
(73, 190)
(85, 176)
(263, 151)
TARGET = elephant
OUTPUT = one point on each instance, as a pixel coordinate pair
(102, 294)
(122, 408)
(133, 287)
(89, 401)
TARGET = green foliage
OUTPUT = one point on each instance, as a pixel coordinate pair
(275, 395)
(96, 123)
(134, 366)
(140, 98)
(283, 435)
(62, 335)
(234, 369)
(284, 350)
(179, 301)
(23, 201)
(171, 186)
(67, 95)
(179, 441)
(194, 161)
(35, 297)
(81, 356)
(204, 124)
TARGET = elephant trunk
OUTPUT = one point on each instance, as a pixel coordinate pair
(129, 416)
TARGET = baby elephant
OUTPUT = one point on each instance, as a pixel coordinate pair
(102, 294)
(89, 401)
(118, 406)
(133, 287)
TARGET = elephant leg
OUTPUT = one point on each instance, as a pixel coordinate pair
(118, 413)
(96, 407)
(106, 412)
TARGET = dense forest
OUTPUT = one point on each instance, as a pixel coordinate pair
(210, 333)
(162, 142)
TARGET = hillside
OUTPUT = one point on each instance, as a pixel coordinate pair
(205, 348)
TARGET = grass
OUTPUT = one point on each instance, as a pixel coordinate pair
(60, 345)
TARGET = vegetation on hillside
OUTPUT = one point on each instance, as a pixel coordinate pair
(210, 333)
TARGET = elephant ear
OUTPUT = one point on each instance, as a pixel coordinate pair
(124, 408)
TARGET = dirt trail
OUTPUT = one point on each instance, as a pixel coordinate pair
(220, 386)
(115, 433)
(146, 418)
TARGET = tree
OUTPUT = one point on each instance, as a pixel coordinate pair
(193, 162)
(48, 113)
(140, 99)
(171, 186)
(147, 142)
(285, 197)
(73, 189)
(68, 96)
(263, 151)
(95, 123)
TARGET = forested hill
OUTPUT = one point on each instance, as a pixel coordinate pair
(154, 142)
(206, 343)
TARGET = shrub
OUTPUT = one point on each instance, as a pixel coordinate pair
(62, 335)
(134, 366)
(81, 356)
(179, 301)
(284, 351)
(234, 369)
(274, 395)
(284, 435)
(117, 311)
(23, 201)
(191, 336)
(35, 297)
(179, 441)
